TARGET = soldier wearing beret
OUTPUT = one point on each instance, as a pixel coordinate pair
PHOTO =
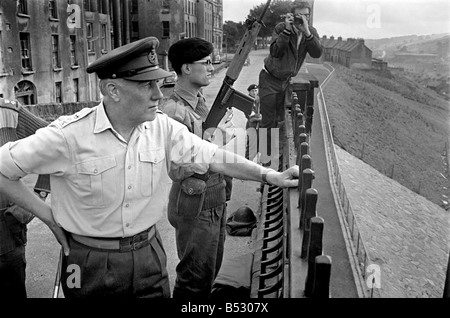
(199, 220)
(16, 122)
(108, 169)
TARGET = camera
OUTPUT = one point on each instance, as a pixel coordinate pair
(297, 20)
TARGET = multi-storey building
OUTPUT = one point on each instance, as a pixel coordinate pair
(46, 45)
(45, 50)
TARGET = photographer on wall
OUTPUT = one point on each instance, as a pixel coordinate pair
(292, 39)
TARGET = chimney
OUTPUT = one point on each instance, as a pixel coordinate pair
(340, 38)
(350, 39)
(361, 41)
(324, 37)
(332, 37)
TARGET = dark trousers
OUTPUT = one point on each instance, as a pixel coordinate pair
(93, 272)
(200, 238)
(272, 95)
(12, 274)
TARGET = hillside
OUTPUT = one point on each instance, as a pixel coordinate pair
(413, 43)
(394, 125)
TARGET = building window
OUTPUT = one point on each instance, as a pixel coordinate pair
(166, 29)
(25, 93)
(52, 9)
(165, 6)
(134, 6)
(89, 36)
(88, 5)
(134, 30)
(22, 6)
(55, 51)
(104, 44)
(73, 50)
(25, 51)
(76, 96)
(58, 92)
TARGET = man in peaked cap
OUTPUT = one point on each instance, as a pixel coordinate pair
(108, 169)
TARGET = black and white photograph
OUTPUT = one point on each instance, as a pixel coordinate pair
(224, 155)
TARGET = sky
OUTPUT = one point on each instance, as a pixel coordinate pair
(369, 19)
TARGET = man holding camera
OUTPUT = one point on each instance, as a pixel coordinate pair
(291, 41)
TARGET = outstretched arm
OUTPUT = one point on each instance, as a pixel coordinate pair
(18, 193)
(236, 166)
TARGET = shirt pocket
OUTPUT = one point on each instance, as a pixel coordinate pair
(98, 180)
(151, 163)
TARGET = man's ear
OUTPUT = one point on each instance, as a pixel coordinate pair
(185, 68)
(112, 89)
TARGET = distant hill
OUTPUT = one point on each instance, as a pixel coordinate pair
(413, 43)
(393, 124)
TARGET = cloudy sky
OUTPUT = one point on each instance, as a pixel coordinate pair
(370, 19)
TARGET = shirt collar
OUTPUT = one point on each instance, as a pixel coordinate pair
(190, 97)
(102, 122)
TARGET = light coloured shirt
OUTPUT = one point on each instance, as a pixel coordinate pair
(184, 111)
(101, 185)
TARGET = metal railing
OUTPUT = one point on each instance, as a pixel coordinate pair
(358, 246)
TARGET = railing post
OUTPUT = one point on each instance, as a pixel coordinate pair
(302, 138)
(301, 87)
(309, 212)
(308, 114)
(321, 288)
(308, 176)
(302, 150)
(314, 249)
(305, 163)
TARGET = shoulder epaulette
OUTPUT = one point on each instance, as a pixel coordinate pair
(10, 104)
(63, 121)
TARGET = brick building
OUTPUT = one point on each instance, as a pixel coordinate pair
(352, 51)
(46, 45)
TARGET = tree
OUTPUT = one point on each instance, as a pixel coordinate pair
(272, 16)
(233, 33)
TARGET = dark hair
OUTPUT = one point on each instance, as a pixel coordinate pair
(300, 5)
(188, 51)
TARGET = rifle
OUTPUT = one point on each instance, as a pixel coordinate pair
(228, 97)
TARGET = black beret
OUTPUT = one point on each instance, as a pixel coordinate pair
(135, 61)
(252, 86)
(189, 50)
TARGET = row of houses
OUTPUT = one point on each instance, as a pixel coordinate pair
(46, 45)
(345, 52)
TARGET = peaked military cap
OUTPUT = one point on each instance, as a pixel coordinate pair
(135, 61)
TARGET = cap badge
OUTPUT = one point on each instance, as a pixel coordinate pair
(152, 57)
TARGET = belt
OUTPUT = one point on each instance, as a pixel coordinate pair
(125, 244)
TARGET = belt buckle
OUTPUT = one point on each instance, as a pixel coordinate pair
(134, 247)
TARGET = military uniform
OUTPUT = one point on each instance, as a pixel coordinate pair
(196, 209)
(16, 123)
(108, 191)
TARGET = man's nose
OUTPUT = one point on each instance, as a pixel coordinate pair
(157, 93)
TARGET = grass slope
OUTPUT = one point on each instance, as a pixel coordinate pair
(394, 125)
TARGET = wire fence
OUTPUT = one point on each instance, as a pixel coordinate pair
(358, 246)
